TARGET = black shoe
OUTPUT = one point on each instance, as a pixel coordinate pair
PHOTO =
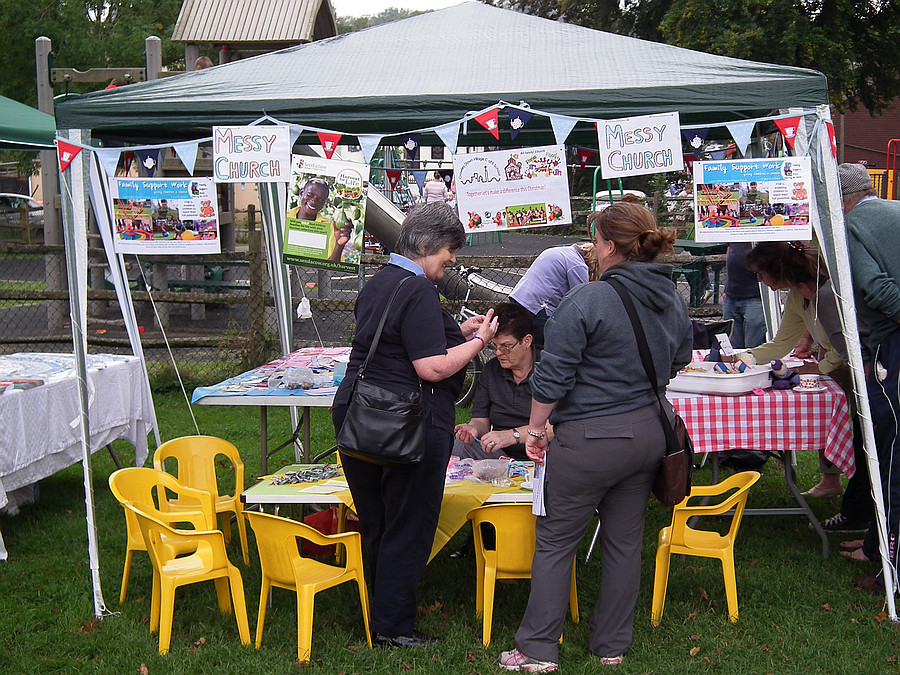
(412, 639)
(841, 523)
(464, 551)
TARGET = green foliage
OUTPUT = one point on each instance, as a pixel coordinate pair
(351, 24)
(85, 34)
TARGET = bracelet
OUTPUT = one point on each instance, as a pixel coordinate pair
(483, 343)
(534, 434)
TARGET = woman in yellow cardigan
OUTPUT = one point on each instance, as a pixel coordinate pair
(810, 307)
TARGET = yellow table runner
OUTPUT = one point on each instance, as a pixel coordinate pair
(459, 498)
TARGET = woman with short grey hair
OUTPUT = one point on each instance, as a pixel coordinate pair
(420, 346)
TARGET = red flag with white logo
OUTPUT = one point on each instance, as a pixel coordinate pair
(393, 176)
(830, 127)
(67, 152)
(329, 142)
(489, 121)
(788, 128)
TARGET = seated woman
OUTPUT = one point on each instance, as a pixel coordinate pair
(810, 306)
(502, 401)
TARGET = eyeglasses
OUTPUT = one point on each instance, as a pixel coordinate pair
(504, 349)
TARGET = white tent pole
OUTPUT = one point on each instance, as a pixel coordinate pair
(74, 186)
(100, 202)
(273, 200)
(833, 237)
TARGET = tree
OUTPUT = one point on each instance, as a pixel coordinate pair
(85, 34)
(853, 42)
(351, 24)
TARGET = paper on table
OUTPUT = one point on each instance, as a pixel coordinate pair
(537, 499)
(326, 488)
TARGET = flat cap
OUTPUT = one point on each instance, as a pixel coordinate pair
(854, 178)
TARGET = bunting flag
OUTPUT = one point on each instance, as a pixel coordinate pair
(830, 127)
(410, 143)
(294, 133)
(562, 126)
(449, 135)
(489, 121)
(187, 154)
(109, 159)
(689, 162)
(788, 128)
(149, 161)
(66, 152)
(584, 156)
(419, 177)
(717, 155)
(741, 133)
(695, 138)
(329, 141)
(517, 121)
(393, 176)
(369, 144)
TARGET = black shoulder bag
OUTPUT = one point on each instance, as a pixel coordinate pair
(673, 484)
(382, 427)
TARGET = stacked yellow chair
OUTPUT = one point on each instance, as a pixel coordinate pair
(509, 559)
(680, 538)
(196, 458)
(208, 561)
(147, 488)
(283, 566)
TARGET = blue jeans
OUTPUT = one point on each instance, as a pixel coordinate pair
(749, 321)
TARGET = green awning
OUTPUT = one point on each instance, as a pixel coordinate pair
(24, 128)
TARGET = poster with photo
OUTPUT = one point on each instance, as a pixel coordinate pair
(528, 187)
(326, 213)
(153, 216)
(753, 200)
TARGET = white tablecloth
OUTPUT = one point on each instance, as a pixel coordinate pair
(40, 428)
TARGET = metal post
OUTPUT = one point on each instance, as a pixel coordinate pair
(153, 52)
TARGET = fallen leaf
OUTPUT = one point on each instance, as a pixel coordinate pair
(695, 637)
(706, 658)
(89, 627)
(694, 651)
(704, 594)
(692, 615)
(470, 657)
(826, 607)
(143, 670)
(881, 616)
(445, 616)
(406, 666)
(693, 568)
(891, 659)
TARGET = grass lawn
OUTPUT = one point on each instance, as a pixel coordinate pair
(798, 612)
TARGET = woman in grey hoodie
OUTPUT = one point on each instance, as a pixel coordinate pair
(608, 441)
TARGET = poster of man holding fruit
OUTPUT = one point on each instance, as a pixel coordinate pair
(325, 216)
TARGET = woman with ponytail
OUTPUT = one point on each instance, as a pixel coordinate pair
(608, 436)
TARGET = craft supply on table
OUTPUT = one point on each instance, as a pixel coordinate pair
(312, 474)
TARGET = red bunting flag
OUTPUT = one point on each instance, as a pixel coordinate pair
(689, 162)
(393, 177)
(830, 127)
(489, 121)
(788, 128)
(584, 156)
(329, 142)
(67, 152)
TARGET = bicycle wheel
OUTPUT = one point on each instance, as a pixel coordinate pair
(473, 372)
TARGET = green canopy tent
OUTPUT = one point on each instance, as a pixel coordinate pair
(24, 128)
(433, 70)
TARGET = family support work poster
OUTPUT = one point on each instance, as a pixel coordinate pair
(326, 213)
(753, 200)
(164, 215)
(510, 189)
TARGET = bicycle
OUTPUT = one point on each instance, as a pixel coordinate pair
(476, 365)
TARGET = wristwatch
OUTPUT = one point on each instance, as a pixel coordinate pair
(517, 435)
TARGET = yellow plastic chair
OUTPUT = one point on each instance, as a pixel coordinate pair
(284, 567)
(208, 561)
(680, 538)
(147, 488)
(196, 458)
(509, 559)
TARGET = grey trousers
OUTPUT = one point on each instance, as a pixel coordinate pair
(608, 464)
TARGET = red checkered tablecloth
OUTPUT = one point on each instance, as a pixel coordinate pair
(776, 420)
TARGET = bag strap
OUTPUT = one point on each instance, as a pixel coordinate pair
(377, 337)
(646, 359)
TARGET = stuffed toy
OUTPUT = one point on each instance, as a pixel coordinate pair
(783, 377)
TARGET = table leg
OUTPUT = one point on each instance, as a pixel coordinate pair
(305, 423)
(263, 440)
